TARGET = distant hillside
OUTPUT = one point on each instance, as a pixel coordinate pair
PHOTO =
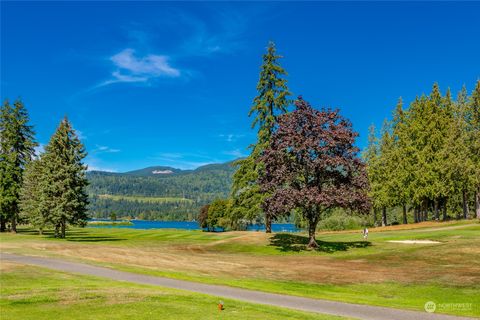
(127, 193)
(159, 171)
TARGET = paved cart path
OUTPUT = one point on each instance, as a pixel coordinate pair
(279, 300)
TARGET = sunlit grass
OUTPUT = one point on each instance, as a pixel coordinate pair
(447, 272)
(36, 293)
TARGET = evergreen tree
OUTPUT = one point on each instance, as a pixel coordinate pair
(33, 197)
(473, 125)
(384, 171)
(65, 179)
(459, 168)
(17, 145)
(429, 158)
(271, 101)
(372, 156)
(400, 162)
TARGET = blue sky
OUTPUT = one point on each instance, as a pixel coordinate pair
(171, 83)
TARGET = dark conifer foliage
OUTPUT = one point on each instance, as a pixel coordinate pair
(17, 145)
(65, 179)
(33, 196)
(427, 158)
(272, 101)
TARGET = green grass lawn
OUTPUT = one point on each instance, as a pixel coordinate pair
(374, 272)
(35, 293)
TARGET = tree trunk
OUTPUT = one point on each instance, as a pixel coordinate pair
(477, 202)
(415, 214)
(425, 211)
(384, 216)
(375, 217)
(268, 224)
(312, 227)
(445, 209)
(40, 231)
(405, 221)
(435, 204)
(14, 224)
(466, 212)
(57, 228)
(3, 226)
(63, 228)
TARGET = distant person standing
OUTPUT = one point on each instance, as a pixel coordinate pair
(365, 233)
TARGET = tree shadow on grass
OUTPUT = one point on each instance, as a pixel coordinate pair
(74, 236)
(84, 236)
(295, 243)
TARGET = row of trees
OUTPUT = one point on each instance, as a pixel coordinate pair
(427, 158)
(305, 162)
(45, 190)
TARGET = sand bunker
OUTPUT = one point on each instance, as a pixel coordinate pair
(415, 241)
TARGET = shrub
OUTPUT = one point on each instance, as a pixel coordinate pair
(341, 221)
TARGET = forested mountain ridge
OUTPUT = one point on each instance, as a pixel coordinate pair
(159, 171)
(200, 186)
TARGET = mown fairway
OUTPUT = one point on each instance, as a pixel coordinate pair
(35, 293)
(345, 268)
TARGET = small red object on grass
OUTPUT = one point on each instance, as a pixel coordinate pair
(220, 306)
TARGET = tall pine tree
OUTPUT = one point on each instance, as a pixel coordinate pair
(473, 125)
(400, 160)
(17, 145)
(371, 156)
(33, 197)
(65, 179)
(459, 169)
(272, 100)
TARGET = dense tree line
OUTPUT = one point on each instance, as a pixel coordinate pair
(126, 208)
(46, 190)
(427, 158)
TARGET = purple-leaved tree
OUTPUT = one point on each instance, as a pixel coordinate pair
(312, 165)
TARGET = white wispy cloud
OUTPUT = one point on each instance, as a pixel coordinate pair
(96, 164)
(150, 65)
(130, 67)
(195, 37)
(207, 39)
(80, 135)
(184, 160)
(231, 137)
(104, 149)
(91, 167)
(235, 153)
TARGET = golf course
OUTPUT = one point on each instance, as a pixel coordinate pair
(384, 270)
(250, 160)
